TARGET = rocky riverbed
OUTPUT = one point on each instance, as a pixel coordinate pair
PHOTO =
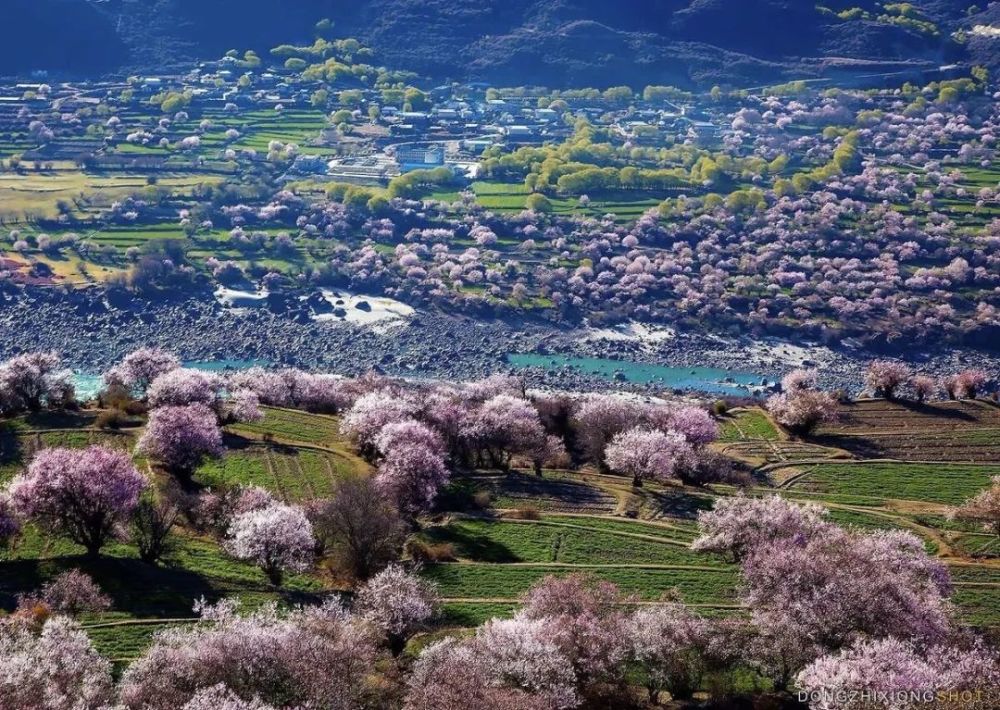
(92, 331)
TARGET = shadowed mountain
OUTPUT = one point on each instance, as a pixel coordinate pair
(555, 42)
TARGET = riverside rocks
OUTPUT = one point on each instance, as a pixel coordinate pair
(92, 332)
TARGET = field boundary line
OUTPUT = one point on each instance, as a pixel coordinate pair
(636, 602)
(583, 528)
(584, 565)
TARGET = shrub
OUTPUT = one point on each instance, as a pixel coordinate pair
(421, 551)
(111, 419)
(527, 512)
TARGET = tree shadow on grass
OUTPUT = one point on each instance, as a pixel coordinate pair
(136, 588)
(11, 451)
(932, 409)
(471, 546)
(678, 503)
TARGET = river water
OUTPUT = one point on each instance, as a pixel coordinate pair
(702, 379)
(88, 385)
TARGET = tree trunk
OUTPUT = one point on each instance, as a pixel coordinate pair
(274, 574)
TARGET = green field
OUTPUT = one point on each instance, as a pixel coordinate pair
(707, 586)
(748, 424)
(293, 474)
(935, 483)
(568, 541)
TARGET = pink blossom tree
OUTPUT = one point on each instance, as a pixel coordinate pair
(29, 381)
(586, 622)
(398, 603)
(502, 426)
(55, 668)
(669, 643)
(181, 437)
(970, 383)
(952, 386)
(313, 657)
(70, 593)
(836, 587)
(923, 387)
(411, 476)
(277, 538)
(600, 418)
(646, 454)
(737, 525)
(85, 494)
(244, 406)
(140, 368)
(983, 508)
(520, 653)
(800, 407)
(896, 667)
(450, 675)
(372, 411)
(694, 423)
(408, 433)
(219, 697)
(884, 377)
(183, 386)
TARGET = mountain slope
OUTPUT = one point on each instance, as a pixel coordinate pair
(557, 42)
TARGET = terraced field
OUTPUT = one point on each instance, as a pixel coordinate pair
(941, 431)
(295, 474)
(946, 483)
(554, 492)
(499, 534)
(147, 598)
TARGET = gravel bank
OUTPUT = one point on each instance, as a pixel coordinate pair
(93, 333)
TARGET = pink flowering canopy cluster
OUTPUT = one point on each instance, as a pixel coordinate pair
(139, 369)
(180, 437)
(398, 603)
(244, 406)
(599, 419)
(575, 641)
(646, 454)
(33, 380)
(181, 387)
(293, 388)
(371, 412)
(53, 667)
(813, 588)
(70, 593)
(738, 524)
(668, 642)
(901, 669)
(276, 537)
(884, 377)
(313, 657)
(411, 475)
(800, 407)
(500, 427)
(983, 508)
(84, 494)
